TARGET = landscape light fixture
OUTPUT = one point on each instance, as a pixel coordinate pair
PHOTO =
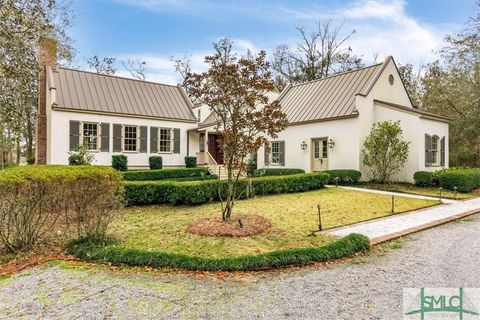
(303, 145)
(393, 203)
(331, 143)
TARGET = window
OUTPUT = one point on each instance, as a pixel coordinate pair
(316, 149)
(275, 152)
(435, 147)
(130, 140)
(165, 140)
(199, 114)
(90, 135)
(324, 149)
(202, 142)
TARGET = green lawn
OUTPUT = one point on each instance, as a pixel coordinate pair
(413, 189)
(162, 228)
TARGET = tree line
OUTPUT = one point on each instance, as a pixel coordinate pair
(448, 86)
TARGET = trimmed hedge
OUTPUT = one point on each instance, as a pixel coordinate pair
(164, 174)
(345, 176)
(423, 178)
(38, 199)
(465, 180)
(155, 162)
(120, 162)
(276, 172)
(190, 162)
(116, 255)
(198, 192)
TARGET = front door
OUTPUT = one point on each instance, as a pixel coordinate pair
(214, 149)
(319, 155)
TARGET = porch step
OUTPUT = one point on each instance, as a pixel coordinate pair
(221, 171)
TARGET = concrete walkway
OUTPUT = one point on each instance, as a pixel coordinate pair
(387, 228)
(399, 194)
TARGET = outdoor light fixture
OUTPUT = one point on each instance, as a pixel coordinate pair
(331, 143)
(303, 145)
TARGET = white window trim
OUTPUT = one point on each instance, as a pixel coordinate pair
(270, 156)
(99, 140)
(171, 140)
(437, 150)
(138, 139)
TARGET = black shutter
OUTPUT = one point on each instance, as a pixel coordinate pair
(442, 151)
(117, 138)
(267, 155)
(281, 146)
(428, 150)
(153, 139)
(176, 140)
(74, 134)
(105, 137)
(143, 139)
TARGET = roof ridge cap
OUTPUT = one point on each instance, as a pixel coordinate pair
(338, 74)
(115, 76)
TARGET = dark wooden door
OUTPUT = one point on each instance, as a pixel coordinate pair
(214, 149)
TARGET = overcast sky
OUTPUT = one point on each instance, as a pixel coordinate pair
(155, 30)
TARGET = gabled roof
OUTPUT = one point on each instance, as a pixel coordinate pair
(209, 121)
(84, 91)
(331, 97)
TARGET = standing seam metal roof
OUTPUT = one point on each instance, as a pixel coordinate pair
(330, 97)
(88, 91)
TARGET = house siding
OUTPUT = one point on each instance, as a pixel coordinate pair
(344, 155)
(58, 153)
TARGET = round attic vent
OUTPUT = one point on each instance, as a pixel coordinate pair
(391, 79)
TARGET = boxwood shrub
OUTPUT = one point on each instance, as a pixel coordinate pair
(345, 176)
(150, 175)
(190, 162)
(37, 199)
(117, 255)
(423, 178)
(155, 162)
(276, 172)
(198, 192)
(465, 180)
(120, 162)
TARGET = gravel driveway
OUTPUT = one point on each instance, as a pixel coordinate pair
(363, 288)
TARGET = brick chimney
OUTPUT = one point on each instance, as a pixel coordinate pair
(47, 57)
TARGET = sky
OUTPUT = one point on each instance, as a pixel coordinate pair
(156, 30)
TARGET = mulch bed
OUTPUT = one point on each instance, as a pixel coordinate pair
(216, 227)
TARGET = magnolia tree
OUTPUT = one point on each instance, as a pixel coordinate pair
(235, 89)
(384, 150)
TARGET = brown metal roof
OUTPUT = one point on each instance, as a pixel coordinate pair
(331, 97)
(92, 92)
(420, 113)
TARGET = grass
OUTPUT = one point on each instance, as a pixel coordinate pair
(423, 191)
(293, 216)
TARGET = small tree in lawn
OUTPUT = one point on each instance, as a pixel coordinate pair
(235, 89)
(384, 150)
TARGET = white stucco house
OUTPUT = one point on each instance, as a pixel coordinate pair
(328, 121)
(330, 118)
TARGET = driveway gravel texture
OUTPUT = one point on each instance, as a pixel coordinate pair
(365, 287)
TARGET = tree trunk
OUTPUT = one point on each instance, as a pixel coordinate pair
(18, 150)
(30, 129)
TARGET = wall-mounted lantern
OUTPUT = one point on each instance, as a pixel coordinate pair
(303, 145)
(331, 143)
